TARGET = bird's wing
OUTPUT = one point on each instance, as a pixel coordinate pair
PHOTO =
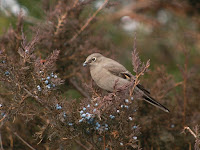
(120, 71)
(117, 69)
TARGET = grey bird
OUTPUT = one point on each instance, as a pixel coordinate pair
(109, 75)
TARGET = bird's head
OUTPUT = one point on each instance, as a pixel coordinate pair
(93, 59)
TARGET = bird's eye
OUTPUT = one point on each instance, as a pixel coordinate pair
(94, 59)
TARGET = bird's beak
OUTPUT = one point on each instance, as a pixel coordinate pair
(85, 64)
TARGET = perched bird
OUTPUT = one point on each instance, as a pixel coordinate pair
(109, 75)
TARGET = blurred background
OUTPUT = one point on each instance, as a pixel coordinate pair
(167, 33)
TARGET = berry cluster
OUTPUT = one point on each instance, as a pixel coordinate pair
(90, 118)
(47, 81)
(86, 115)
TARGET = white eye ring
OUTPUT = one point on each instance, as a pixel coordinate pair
(94, 59)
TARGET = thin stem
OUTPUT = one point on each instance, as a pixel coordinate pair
(79, 88)
(1, 142)
(185, 87)
(188, 128)
(89, 20)
(78, 142)
(15, 133)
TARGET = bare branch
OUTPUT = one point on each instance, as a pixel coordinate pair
(16, 134)
(88, 21)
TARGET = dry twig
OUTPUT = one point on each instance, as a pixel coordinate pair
(88, 21)
(79, 89)
(1, 142)
(15, 133)
(188, 128)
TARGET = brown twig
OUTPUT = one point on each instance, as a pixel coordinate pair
(75, 3)
(90, 145)
(62, 19)
(79, 88)
(184, 95)
(169, 89)
(188, 128)
(60, 23)
(78, 142)
(15, 133)
(3, 118)
(104, 141)
(88, 21)
(185, 77)
(1, 142)
(137, 78)
(36, 98)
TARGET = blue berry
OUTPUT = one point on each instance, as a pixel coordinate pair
(130, 118)
(106, 129)
(64, 114)
(83, 115)
(70, 124)
(7, 73)
(81, 120)
(106, 125)
(100, 139)
(135, 137)
(43, 79)
(97, 124)
(81, 111)
(88, 116)
(54, 85)
(84, 108)
(122, 106)
(88, 105)
(48, 86)
(46, 81)
(126, 106)
(55, 76)
(96, 104)
(3, 114)
(134, 127)
(58, 107)
(48, 77)
(39, 88)
(132, 98)
(3, 61)
(117, 111)
(112, 117)
(52, 75)
(172, 126)
(94, 110)
(121, 143)
(126, 100)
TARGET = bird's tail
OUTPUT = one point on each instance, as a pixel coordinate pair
(152, 101)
